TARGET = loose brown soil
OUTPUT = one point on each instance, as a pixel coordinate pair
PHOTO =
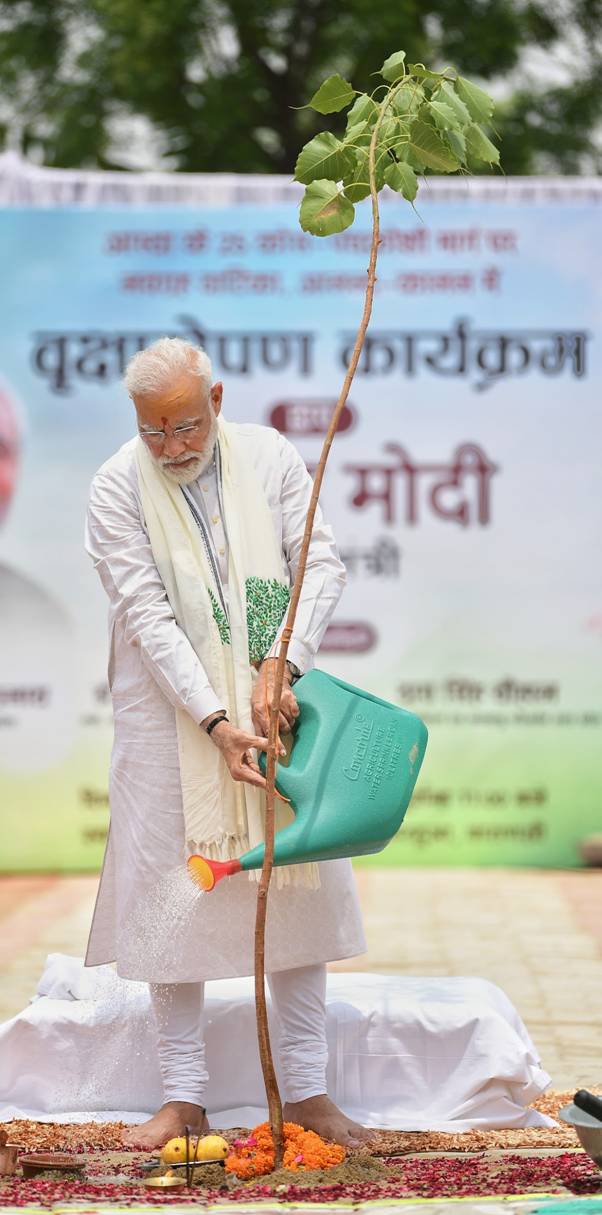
(354, 1169)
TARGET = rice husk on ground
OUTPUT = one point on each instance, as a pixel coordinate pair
(107, 1136)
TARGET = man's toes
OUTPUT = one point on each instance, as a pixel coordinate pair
(353, 1136)
(354, 1140)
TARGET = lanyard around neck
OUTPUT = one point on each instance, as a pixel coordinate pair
(205, 535)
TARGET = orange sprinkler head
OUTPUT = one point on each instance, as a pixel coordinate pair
(206, 873)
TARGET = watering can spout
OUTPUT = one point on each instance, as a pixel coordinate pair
(207, 873)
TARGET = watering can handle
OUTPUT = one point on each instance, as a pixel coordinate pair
(589, 1103)
(349, 687)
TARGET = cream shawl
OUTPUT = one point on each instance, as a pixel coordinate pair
(223, 818)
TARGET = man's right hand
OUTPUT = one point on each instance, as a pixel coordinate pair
(235, 746)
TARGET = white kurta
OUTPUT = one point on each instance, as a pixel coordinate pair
(148, 925)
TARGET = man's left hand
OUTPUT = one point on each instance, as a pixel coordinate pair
(262, 698)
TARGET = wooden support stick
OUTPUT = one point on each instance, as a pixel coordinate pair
(263, 1036)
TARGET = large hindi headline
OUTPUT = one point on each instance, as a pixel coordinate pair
(481, 356)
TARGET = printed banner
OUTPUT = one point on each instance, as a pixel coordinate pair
(463, 486)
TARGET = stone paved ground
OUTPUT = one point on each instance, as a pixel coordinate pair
(536, 933)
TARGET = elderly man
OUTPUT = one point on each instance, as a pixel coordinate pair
(195, 528)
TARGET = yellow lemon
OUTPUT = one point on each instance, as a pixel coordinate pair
(174, 1151)
(212, 1147)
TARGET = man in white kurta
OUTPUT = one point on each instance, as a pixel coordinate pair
(149, 928)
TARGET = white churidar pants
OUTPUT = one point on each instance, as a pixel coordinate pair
(299, 999)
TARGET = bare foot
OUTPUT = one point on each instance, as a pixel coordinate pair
(169, 1123)
(321, 1115)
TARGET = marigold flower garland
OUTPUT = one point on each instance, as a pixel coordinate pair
(254, 1156)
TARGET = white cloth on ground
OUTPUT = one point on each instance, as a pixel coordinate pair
(444, 1054)
(153, 669)
(298, 998)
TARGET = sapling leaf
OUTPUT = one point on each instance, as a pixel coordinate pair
(408, 100)
(325, 210)
(324, 157)
(333, 95)
(479, 146)
(418, 69)
(357, 186)
(357, 183)
(406, 155)
(448, 94)
(402, 178)
(445, 117)
(394, 67)
(358, 135)
(478, 103)
(457, 143)
(364, 109)
(429, 148)
(390, 132)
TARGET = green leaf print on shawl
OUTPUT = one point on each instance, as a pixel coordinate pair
(220, 618)
(267, 601)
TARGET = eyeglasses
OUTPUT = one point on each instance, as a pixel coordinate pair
(186, 432)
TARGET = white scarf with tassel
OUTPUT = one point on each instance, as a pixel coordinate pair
(223, 818)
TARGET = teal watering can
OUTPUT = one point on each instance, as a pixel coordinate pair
(350, 777)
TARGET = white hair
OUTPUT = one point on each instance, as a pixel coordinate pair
(152, 369)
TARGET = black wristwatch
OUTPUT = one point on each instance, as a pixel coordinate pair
(212, 724)
(294, 670)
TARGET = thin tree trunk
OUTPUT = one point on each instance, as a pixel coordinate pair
(267, 1064)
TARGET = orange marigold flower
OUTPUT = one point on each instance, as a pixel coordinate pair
(253, 1157)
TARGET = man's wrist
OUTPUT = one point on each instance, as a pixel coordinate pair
(291, 670)
(216, 732)
(210, 723)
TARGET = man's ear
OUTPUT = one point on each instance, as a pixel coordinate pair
(216, 394)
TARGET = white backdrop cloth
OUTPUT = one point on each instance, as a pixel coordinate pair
(443, 1054)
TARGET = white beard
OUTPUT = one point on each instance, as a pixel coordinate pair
(190, 472)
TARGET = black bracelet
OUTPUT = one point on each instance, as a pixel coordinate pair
(212, 724)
